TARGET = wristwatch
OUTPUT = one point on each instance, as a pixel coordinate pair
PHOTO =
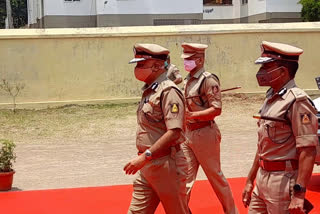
(298, 188)
(148, 154)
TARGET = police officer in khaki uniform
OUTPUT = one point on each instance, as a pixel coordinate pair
(161, 165)
(203, 104)
(287, 136)
(173, 72)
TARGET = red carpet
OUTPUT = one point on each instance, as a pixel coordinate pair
(116, 199)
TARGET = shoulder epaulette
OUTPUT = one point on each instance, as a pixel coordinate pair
(168, 84)
(208, 74)
(298, 93)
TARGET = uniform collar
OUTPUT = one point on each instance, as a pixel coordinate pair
(155, 85)
(283, 92)
(196, 75)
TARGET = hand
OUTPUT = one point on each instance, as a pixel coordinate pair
(246, 194)
(189, 115)
(135, 164)
(296, 205)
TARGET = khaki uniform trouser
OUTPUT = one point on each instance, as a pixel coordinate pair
(162, 179)
(203, 147)
(273, 191)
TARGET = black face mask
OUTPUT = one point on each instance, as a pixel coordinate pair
(266, 78)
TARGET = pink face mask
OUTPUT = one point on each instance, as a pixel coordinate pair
(189, 65)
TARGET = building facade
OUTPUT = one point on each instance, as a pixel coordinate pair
(111, 13)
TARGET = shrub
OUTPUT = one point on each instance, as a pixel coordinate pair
(7, 155)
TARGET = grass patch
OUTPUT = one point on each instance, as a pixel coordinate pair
(61, 121)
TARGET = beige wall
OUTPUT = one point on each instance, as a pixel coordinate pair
(87, 64)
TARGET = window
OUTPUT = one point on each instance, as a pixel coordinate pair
(218, 2)
(244, 1)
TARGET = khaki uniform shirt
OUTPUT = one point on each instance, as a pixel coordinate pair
(173, 72)
(279, 140)
(161, 108)
(202, 91)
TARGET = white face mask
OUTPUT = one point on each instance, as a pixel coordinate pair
(189, 65)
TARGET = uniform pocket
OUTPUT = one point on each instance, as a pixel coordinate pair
(196, 100)
(152, 113)
(278, 132)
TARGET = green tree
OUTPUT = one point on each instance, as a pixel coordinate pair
(19, 13)
(310, 10)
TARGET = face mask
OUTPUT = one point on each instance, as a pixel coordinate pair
(142, 74)
(189, 65)
(267, 78)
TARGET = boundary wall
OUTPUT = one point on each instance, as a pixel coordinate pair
(71, 65)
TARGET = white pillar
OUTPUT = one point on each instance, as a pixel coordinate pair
(9, 20)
